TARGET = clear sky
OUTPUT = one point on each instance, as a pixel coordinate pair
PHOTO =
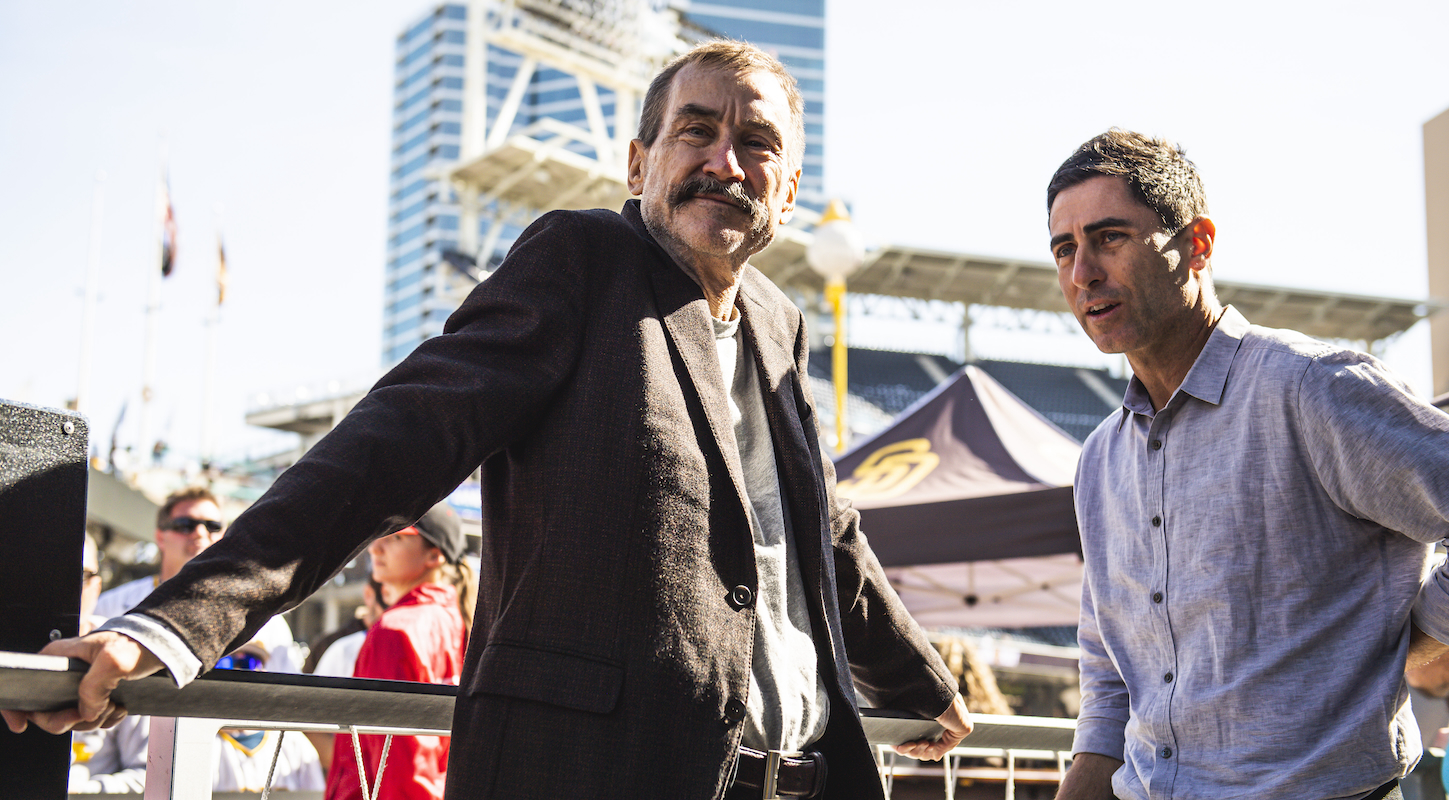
(945, 121)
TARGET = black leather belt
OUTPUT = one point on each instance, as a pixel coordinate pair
(780, 774)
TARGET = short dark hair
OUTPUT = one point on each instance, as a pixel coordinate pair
(1158, 173)
(180, 496)
(724, 54)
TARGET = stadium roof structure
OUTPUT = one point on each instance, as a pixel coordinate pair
(512, 176)
(533, 172)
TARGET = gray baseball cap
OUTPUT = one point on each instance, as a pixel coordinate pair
(441, 527)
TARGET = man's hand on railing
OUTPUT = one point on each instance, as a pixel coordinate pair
(113, 658)
(957, 722)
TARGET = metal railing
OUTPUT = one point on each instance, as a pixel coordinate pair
(185, 721)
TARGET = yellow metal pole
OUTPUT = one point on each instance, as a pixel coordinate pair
(835, 293)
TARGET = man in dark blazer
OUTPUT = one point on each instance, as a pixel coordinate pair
(613, 649)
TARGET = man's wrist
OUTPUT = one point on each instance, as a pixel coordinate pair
(163, 643)
(1090, 777)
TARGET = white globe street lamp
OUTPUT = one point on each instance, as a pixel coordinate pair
(836, 251)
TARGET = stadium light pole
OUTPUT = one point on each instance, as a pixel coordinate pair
(836, 251)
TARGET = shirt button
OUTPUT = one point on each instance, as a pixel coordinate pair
(1157, 597)
(1156, 444)
(1167, 752)
(1157, 522)
(1167, 678)
(741, 596)
(734, 710)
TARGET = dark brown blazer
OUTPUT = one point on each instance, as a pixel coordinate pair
(611, 655)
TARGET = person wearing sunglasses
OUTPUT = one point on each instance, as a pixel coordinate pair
(243, 758)
(90, 584)
(187, 523)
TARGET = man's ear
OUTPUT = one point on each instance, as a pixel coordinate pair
(637, 151)
(792, 188)
(1204, 232)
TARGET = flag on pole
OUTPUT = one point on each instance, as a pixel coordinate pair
(168, 229)
(220, 271)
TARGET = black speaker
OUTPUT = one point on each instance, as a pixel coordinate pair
(42, 526)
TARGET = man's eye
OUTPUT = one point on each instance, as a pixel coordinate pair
(1065, 251)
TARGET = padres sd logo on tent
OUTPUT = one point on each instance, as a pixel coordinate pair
(890, 471)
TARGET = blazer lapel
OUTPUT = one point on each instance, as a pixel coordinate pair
(687, 323)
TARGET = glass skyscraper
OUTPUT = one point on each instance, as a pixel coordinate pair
(422, 219)
(422, 287)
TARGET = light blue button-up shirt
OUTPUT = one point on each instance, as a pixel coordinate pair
(1254, 552)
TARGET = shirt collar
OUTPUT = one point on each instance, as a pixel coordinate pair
(1209, 374)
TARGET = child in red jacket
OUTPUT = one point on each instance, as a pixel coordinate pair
(420, 637)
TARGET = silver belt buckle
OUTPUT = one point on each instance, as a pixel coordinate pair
(773, 760)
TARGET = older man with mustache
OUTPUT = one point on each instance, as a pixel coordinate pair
(672, 602)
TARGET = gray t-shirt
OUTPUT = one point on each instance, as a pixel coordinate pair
(787, 705)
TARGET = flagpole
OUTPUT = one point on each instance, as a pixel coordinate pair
(209, 390)
(88, 313)
(153, 308)
(208, 420)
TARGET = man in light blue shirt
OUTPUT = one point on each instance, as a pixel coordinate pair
(1256, 521)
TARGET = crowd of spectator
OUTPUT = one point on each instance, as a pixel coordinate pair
(412, 626)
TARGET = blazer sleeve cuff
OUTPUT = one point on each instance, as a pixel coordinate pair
(946, 692)
(151, 634)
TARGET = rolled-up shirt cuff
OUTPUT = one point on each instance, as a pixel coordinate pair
(1107, 737)
(1431, 608)
(162, 642)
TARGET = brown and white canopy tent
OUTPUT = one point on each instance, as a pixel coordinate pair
(967, 501)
